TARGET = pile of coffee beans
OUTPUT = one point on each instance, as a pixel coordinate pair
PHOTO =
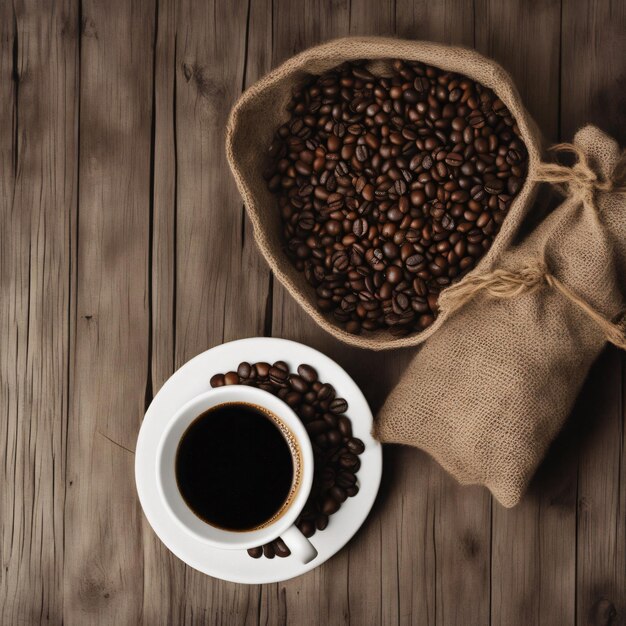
(392, 187)
(336, 452)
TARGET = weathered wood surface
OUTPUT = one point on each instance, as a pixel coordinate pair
(125, 251)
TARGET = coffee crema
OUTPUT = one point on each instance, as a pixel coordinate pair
(238, 467)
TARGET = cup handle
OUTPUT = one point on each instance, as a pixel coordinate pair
(299, 545)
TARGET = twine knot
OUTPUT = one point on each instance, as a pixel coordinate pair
(582, 182)
(504, 284)
(581, 179)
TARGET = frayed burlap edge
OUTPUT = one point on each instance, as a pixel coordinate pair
(321, 58)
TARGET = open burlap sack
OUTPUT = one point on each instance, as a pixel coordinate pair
(262, 109)
(489, 392)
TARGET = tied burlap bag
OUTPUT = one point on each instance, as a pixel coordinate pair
(489, 392)
(262, 109)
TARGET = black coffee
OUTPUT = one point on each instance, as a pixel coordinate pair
(234, 468)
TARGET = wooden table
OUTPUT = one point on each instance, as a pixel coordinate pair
(125, 251)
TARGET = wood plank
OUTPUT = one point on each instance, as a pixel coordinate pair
(104, 566)
(593, 57)
(163, 589)
(215, 295)
(533, 556)
(38, 146)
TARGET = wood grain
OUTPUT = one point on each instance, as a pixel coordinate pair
(125, 251)
(37, 204)
(593, 73)
(103, 567)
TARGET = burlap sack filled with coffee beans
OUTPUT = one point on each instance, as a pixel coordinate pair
(489, 392)
(263, 108)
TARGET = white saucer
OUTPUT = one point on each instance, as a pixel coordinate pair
(192, 379)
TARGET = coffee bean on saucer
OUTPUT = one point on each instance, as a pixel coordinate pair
(255, 553)
(330, 505)
(326, 392)
(217, 380)
(307, 528)
(244, 370)
(355, 446)
(337, 493)
(280, 548)
(262, 369)
(307, 372)
(231, 378)
(298, 383)
(278, 376)
(338, 406)
(345, 427)
(268, 551)
(321, 521)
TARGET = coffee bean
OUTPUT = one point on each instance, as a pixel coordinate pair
(263, 369)
(338, 406)
(321, 521)
(307, 372)
(255, 553)
(345, 427)
(298, 383)
(326, 392)
(280, 548)
(337, 493)
(329, 506)
(231, 378)
(356, 446)
(244, 370)
(372, 170)
(217, 380)
(307, 528)
(268, 551)
(278, 375)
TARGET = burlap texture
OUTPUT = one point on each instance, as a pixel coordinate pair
(488, 393)
(262, 108)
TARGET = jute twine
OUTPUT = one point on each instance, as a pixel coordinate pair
(583, 183)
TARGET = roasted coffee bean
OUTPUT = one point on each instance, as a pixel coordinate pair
(262, 369)
(255, 553)
(307, 372)
(321, 521)
(280, 548)
(345, 427)
(326, 392)
(277, 375)
(231, 378)
(329, 506)
(338, 406)
(217, 380)
(337, 493)
(298, 383)
(307, 528)
(356, 446)
(244, 370)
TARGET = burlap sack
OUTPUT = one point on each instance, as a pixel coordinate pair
(262, 108)
(489, 392)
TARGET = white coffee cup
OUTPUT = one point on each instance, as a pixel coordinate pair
(283, 527)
